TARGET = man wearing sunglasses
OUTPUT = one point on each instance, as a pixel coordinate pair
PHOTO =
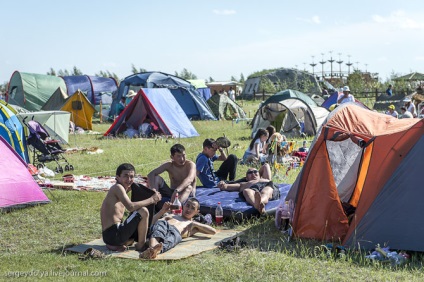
(204, 164)
(257, 191)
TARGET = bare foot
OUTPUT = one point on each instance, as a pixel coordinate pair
(258, 203)
(156, 250)
(152, 252)
(116, 248)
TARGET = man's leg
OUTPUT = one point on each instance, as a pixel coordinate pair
(249, 195)
(228, 168)
(154, 249)
(142, 228)
(265, 171)
(266, 194)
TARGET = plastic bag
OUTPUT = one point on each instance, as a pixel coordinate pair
(46, 172)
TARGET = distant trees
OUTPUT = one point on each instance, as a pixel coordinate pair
(242, 80)
(65, 72)
(186, 74)
(134, 70)
(3, 87)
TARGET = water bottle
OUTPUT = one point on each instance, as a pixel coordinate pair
(176, 206)
(219, 214)
(285, 217)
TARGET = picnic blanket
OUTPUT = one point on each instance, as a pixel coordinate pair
(85, 183)
(188, 247)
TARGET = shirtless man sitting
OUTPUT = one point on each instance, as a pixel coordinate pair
(182, 174)
(117, 234)
(257, 191)
(167, 232)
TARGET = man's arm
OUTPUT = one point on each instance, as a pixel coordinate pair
(222, 155)
(229, 187)
(122, 196)
(152, 175)
(165, 208)
(189, 179)
(199, 227)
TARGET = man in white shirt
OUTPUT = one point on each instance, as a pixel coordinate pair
(346, 97)
(410, 107)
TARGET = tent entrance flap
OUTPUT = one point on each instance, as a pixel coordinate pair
(345, 158)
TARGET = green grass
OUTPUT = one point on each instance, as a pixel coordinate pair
(33, 240)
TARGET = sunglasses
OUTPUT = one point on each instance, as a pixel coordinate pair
(252, 171)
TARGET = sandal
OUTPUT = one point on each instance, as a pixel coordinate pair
(92, 253)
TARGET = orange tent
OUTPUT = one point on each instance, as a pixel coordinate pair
(371, 162)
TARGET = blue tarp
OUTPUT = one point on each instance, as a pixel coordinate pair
(232, 204)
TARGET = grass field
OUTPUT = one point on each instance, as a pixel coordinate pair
(33, 240)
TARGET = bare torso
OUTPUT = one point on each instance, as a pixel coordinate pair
(112, 210)
(181, 223)
(177, 174)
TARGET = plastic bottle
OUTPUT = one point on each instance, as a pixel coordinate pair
(219, 214)
(176, 206)
(285, 217)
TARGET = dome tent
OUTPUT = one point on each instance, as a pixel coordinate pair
(369, 161)
(192, 103)
(31, 91)
(290, 111)
(225, 108)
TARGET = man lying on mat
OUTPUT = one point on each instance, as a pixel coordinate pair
(117, 234)
(167, 232)
(257, 191)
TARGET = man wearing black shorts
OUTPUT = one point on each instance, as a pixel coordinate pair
(117, 234)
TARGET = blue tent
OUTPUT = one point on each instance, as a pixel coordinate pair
(205, 93)
(333, 100)
(92, 86)
(13, 131)
(186, 95)
(160, 106)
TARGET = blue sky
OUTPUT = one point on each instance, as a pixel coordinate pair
(217, 39)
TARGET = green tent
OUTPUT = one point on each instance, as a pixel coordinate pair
(31, 91)
(198, 83)
(414, 76)
(225, 108)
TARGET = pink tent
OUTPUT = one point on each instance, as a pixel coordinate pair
(17, 186)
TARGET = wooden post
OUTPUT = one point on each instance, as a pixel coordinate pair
(101, 118)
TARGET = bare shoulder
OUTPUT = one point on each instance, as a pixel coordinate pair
(190, 164)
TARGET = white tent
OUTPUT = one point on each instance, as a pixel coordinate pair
(55, 122)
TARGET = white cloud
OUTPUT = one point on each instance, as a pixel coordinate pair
(313, 20)
(224, 12)
(419, 58)
(401, 20)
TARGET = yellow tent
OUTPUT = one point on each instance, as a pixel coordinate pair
(81, 110)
